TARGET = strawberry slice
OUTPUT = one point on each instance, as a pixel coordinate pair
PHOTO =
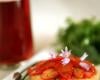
(78, 73)
(66, 70)
(49, 74)
(36, 77)
(68, 78)
(90, 73)
(35, 70)
(75, 61)
(53, 63)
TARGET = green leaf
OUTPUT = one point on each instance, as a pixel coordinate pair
(81, 36)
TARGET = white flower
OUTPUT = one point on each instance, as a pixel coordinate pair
(84, 65)
(65, 53)
(65, 61)
(84, 56)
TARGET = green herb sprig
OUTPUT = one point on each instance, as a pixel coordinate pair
(81, 36)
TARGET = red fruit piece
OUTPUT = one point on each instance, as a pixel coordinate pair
(66, 78)
(53, 63)
(75, 61)
(90, 73)
(66, 70)
(36, 77)
(78, 73)
(36, 69)
(49, 74)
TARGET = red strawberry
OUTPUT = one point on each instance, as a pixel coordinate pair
(78, 73)
(49, 74)
(75, 61)
(68, 78)
(88, 74)
(66, 70)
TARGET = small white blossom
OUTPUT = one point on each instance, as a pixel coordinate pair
(84, 65)
(84, 56)
(65, 53)
(65, 61)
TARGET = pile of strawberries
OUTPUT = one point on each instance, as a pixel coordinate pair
(53, 69)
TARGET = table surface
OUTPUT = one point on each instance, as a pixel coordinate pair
(4, 73)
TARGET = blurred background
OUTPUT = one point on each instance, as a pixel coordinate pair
(49, 15)
(72, 23)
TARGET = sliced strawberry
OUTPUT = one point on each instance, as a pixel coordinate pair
(88, 74)
(49, 74)
(75, 61)
(62, 79)
(66, 70)
(68, 78)
(36, 77)
(35, 70)
(78, 73)
(91, 71)
(53, 63)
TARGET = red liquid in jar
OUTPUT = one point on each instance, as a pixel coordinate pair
(15, 31)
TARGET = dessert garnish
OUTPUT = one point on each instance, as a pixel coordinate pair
(82, 63)
(85, 55)
(65, 55)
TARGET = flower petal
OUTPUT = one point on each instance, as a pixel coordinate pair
(84, 65)
(65, 61)
(84, 56)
